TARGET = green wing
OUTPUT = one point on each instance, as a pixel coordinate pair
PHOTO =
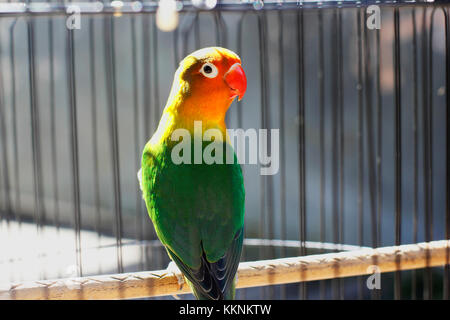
(198, 214)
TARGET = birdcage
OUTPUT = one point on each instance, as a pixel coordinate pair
(357, 89)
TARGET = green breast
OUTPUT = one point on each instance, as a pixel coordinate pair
(193, 205)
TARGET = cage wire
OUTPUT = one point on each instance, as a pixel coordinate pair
(363, 118)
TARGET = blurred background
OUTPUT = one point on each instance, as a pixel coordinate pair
(362, 113)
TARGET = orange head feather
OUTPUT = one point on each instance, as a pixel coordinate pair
(205, 85)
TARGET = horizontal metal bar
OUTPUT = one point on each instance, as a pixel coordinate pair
(257, 242)
(115, 7)
(157, 244)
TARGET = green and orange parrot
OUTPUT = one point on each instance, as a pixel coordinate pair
(197, 209)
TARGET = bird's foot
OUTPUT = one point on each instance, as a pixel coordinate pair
(173, 269)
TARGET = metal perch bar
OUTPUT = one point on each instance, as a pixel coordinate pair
(250, 274)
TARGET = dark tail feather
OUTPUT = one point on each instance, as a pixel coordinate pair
(214, 280)
(229, 294)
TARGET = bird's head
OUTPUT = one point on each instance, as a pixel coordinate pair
(207, 81)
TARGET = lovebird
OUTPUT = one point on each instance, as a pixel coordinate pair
(197, 207)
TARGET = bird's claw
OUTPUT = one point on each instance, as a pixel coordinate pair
(173, 269)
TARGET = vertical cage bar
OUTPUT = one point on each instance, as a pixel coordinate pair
(321, 76)
(70, 62)
(12, 61)
(369, 136)
(94, 116)
(341, 139)
(175, 46)
(54, 155)
(146, 70)
(334, 141)
(282, 144)
(360, 198)
(430, 118)
(398, 147)
(264, 109)
(371, 161)
(155, 75)
(416, 149)
(187, 32)
(4, 143)
(379, 141)
(221, 30)
(425, 112)
(430, 137)
(156, 100)
(301, 149)
(39, 209)
(447, 96)
(431, 126)
(379, 172)
(243, 292)
(267, 125)
(137, 144)
(197, 31)
(110, 63)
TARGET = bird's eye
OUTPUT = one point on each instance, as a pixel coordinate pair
(209, 70)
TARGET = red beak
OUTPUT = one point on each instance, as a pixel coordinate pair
(236, 80)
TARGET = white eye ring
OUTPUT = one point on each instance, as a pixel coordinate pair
(209, 70)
